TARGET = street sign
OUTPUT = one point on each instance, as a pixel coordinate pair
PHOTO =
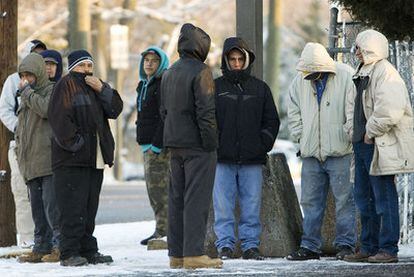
(119, 49)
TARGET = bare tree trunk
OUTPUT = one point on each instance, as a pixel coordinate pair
(79, 24)
(273, 47)
(8, 65)
(99, 44)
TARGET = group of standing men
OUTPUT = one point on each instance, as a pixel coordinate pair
(62, 142)
(355, 133)
(206, 139)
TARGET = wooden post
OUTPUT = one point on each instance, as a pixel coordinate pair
(79, 25)
(249, 17)
(8, 65)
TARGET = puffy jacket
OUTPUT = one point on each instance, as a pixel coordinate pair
(77, 115)
(320, 128)
(149, 123)
(33, 131)
(187, 104)
(387, 108)
(247, 118)
(9, 102)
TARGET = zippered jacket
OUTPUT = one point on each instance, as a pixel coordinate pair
(321, 128)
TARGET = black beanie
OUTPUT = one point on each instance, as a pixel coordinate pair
(78, 56)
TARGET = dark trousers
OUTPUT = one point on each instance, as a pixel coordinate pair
(77, 191)
(45, 214)
(377, 200)
(190, 192)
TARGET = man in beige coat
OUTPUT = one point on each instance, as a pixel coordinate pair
(383, 140)
(316, 116)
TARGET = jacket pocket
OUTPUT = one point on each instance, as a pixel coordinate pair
(388, 152)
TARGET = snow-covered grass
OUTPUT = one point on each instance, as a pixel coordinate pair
(130, 258)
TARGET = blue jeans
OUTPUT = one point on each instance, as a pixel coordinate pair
(45, 214)
(377, 200)
(317, 177)
(244, 181)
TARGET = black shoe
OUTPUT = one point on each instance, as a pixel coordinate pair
(225, 253)
(74, 261)
(252, 254)
(153, 236)
(303, 254)
(343, 251)
(99, 258)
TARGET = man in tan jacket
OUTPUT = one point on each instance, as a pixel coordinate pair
(383, 140)
(317, 118)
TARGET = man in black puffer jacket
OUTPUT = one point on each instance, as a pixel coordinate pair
(190, 131)
(248, 124)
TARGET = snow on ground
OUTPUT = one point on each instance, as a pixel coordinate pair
(130, 258)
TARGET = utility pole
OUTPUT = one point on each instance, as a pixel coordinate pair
(8, 65)
(249, 21)
(79, 25)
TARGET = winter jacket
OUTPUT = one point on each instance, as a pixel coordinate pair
(33, 131)
(149, 123)
(247, 118)
(9, 102)
(320, 128)
(187, 87)
(77, 115)
(387, 108)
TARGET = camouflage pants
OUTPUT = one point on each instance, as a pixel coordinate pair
(157, 178)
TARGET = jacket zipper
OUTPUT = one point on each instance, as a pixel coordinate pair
(239, 98)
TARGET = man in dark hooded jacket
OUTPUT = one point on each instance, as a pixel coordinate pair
(54, 66)
(82, 144)
(190, 132)
(248, 124)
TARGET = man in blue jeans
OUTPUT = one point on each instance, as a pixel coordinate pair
(317, 120)
(383, 140)
(248, 124)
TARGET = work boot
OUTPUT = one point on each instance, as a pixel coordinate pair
(383, 257)
(157, 244)
(53, 257)
(225, 253)
(74, 261)
(99, 258)
(203, 261)
(252, 254)
(31, 257)
(344, 250)
(358, 257)
(303, 254)
(153, 236)
(176, 262)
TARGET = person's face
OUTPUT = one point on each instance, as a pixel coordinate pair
(236, 59)
(51, 69)
(38, 49)
(151, 64)
(84, 67)
(358, 54)
(30, 78)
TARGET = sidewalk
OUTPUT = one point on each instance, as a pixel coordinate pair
(131, 259)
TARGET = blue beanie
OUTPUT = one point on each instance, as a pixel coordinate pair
(78, 56)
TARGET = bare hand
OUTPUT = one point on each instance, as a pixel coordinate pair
(22, 84)
(368, 140)
(94, 83)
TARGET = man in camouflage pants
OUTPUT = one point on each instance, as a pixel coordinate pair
(150, 135)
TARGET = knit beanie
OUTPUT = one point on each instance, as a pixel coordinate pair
(78, 56)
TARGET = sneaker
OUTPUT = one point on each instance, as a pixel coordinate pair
(358, 257)
(176, 262)
(53, 257)
(303, 254)
(203, 261)
(383, 257)
(99, 258)
(74, 261)
(26, 244)
(252, 254)
(157, 244)
(31, 257)
(153, 236)
(225, 253)
(344, 250)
